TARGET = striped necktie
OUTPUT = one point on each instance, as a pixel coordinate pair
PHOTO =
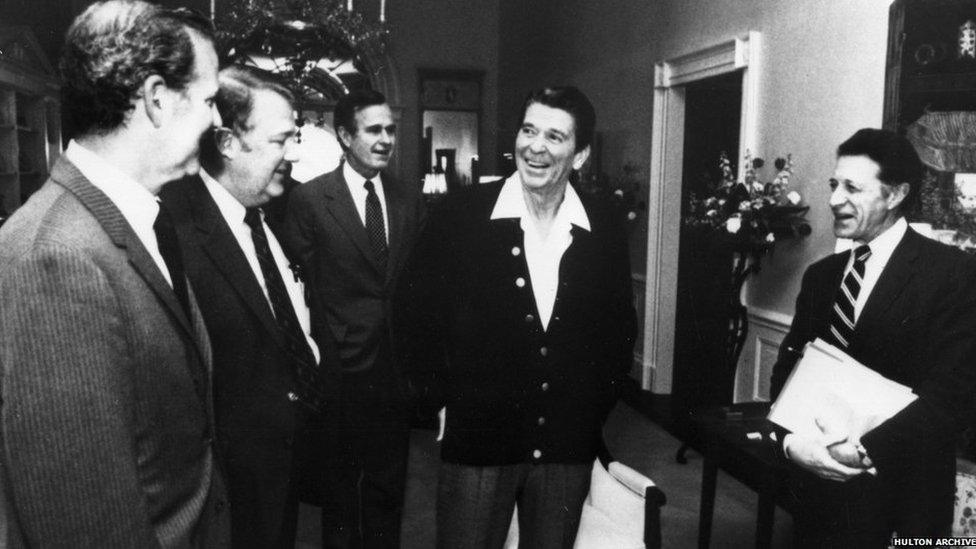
(842, 315)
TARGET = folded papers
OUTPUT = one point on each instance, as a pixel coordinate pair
(829, 386)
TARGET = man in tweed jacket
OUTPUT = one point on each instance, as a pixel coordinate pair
(106, 419)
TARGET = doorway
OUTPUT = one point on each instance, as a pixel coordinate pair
(711, 128)
(737, 58)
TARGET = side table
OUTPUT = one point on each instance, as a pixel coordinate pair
(722, 433)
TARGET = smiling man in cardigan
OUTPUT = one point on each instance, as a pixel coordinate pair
(516, 315)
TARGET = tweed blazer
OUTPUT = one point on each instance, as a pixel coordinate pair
(106, 418)
(469, 337)
(918, 327)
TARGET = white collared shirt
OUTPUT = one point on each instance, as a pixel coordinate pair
(355, 182)
(233, 213)
(139, 207)
(542, 255)
(882, 247)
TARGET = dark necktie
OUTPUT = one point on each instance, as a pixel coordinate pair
(307, 372)
(169, 248)
(842, 315)
(375, 226)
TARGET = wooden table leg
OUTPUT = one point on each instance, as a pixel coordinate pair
(709, 477)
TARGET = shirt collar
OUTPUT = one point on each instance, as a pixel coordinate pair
(884, 244)
(133, 200)
(511, 204)
(355, 180)
(232, 210)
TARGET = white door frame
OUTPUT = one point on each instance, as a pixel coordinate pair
(664, 197)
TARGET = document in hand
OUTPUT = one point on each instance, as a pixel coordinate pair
(827, 384)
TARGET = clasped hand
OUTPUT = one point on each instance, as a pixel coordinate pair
(833, 455)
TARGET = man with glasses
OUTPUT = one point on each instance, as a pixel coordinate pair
(269, 378)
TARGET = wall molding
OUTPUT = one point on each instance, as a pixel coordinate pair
(664, 184)
(766, 332)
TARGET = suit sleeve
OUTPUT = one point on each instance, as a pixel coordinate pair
(791, 349)
(296, 231)
(69, 446)
(946, 397)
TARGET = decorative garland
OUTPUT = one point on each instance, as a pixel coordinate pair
(301, 32)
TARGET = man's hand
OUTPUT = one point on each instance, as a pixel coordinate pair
(845, 447)
(812, 455)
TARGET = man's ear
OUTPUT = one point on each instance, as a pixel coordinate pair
(344, 136)
(897, 194)
(580, 158)
(156, 99)
(226, 142)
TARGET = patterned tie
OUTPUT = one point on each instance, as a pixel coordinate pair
(307, 372)
(169, 248)
(842, 315)
(375, 226)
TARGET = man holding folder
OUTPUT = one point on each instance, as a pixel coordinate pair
(904, 306)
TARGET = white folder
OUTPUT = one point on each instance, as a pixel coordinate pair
(827, 384)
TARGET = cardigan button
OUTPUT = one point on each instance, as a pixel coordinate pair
(292, 396)
(520, 282)
(529, 318)
(544, 351)
(536, 454)
(544, 386)
(541, 421)
(516, 251)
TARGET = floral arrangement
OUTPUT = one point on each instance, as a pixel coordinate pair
(623, 189)
(750, 214)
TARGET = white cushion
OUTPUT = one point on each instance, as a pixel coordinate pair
(613, 514)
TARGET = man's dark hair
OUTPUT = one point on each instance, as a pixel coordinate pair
(894, 153)
(348, 105)
(235, 101)
(571, 100)
(110, 50)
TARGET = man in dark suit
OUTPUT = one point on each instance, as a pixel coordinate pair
(515, 313)
(106, 420)
(905, 306)
(352, 230)
(268, 382)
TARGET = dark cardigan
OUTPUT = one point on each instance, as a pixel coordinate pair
(468, 334)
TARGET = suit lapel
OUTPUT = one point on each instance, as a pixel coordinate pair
(224, 250)
(338, 202)
(121, 233)
(396, 211)
(897, 274)
(204, 390)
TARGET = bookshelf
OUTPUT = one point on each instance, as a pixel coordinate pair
(30, 116)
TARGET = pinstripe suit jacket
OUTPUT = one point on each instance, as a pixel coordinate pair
(106, 418)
